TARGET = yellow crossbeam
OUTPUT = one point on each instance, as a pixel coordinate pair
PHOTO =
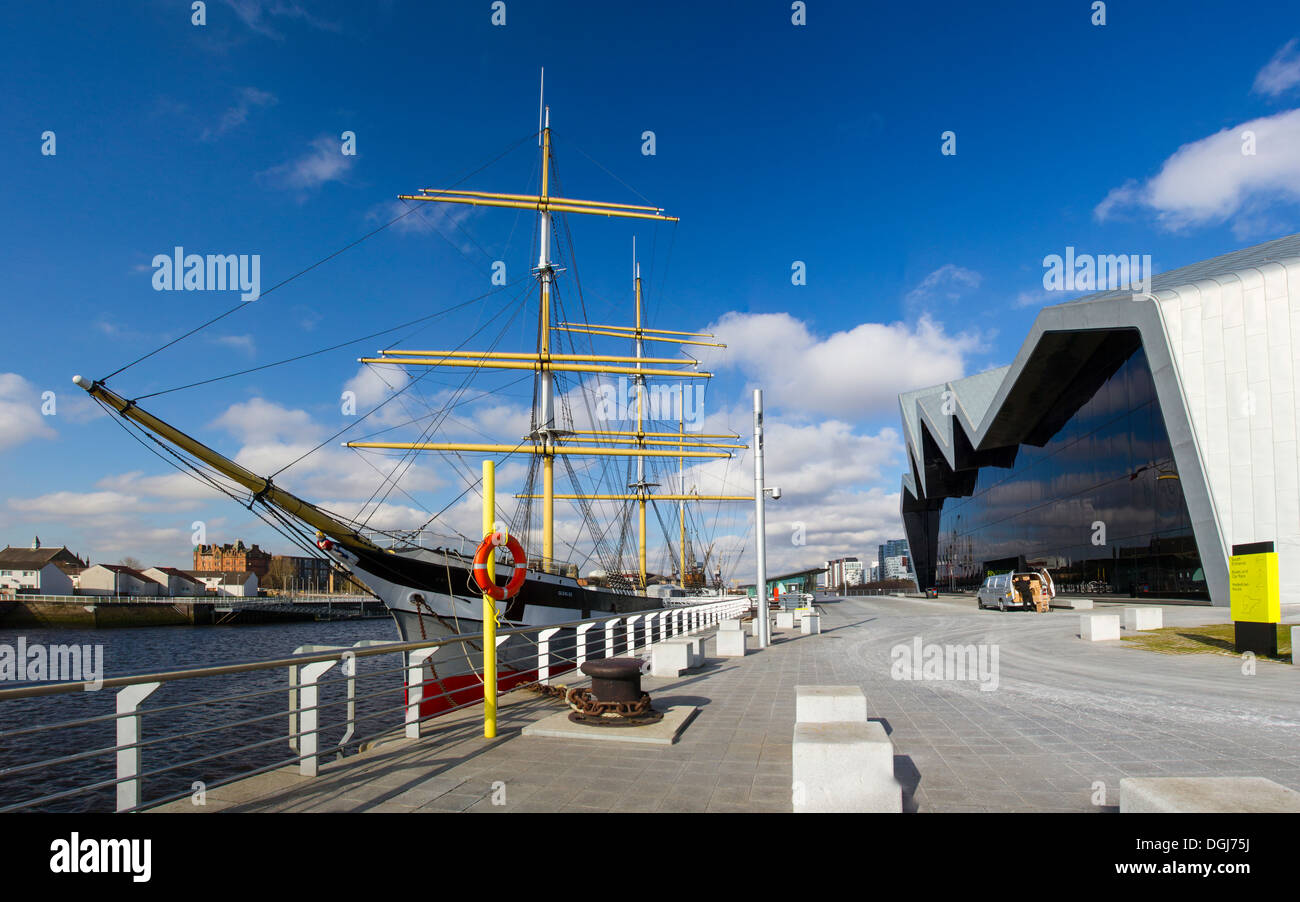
(603, 432)
(546, 206)
(643, 329)
(533, 449)
(536, 199)
(679, 341)
(512, 355)
(535, 366)
(648, 497)
(675, 442)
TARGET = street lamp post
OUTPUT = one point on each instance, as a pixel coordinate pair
(760, 523)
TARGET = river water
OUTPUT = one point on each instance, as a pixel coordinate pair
(150, 649)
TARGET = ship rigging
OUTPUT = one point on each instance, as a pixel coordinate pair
(417, 581)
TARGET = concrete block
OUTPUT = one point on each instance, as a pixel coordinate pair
(754, 626)
(844, 766)
(730, 624)
(696, 645)
(811, 625)
(1075, 604)
(829, 704)
(670, 658)
(1098, 627)
(731, 643)
(1143, 618)
(1205, 795)
(1295, 642)
(785, 620)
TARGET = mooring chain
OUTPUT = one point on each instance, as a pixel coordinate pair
(582, 701)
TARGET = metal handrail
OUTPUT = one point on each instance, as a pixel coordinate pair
(250, 666)
(633, 632)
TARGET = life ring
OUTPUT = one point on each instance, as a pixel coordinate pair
(485, 584)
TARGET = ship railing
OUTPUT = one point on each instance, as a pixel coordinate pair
(408, 540)
(340, 699)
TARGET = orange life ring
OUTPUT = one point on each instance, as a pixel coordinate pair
(510, 589)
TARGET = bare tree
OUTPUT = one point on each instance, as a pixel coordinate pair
(279, 574)
(132, 562)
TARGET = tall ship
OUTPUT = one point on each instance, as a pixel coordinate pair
(429, 587)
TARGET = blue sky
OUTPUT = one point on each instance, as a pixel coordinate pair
(774, 144)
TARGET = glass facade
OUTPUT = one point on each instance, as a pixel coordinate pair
(1099, 503)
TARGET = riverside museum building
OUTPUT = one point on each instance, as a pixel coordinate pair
(1134, 440)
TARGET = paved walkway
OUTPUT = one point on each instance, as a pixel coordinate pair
(1066, 721)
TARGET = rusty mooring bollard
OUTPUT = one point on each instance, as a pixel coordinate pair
(615, 698)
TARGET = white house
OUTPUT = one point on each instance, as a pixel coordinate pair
(221, 582)
(39, 571)
(116, 579)
(176, 582)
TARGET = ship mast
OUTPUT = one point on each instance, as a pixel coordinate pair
(547, 440)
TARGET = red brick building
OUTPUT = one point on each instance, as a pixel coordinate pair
(236, 557)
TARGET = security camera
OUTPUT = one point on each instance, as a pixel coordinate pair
(776, 493)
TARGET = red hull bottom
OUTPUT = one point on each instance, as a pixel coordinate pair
(449, 693)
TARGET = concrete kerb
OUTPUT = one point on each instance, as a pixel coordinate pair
(1206, 795)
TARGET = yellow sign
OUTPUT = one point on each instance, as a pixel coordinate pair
(1256, 595)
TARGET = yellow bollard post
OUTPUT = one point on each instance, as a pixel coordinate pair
(489, 609)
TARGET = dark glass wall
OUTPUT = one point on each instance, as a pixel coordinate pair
(1110, 464)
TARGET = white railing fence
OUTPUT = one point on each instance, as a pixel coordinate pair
(557, 648)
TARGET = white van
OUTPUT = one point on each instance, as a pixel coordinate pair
(997, 593)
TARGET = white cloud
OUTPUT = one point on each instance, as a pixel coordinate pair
(1212, 181)
(243, 343)
(179, 486)
(74, 505)
(259, 420)
(856, 373)
(20, 412)
(1037, 298)
(237, 115)
(374, 385)
(839, 485)
(324, 162)
(429, 218)
(949, 282)
(259, 15)
(1281, 73)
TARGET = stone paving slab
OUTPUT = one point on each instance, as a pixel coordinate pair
(1062, 724)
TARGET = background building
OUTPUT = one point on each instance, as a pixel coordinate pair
(175, 582)
(117, 579)
(799, 582)
(836, 571)
(232, 557)
(852, 571)
(39, 571)
(237, 583)
(1132, 442)
(894, 560)
(298, 574)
